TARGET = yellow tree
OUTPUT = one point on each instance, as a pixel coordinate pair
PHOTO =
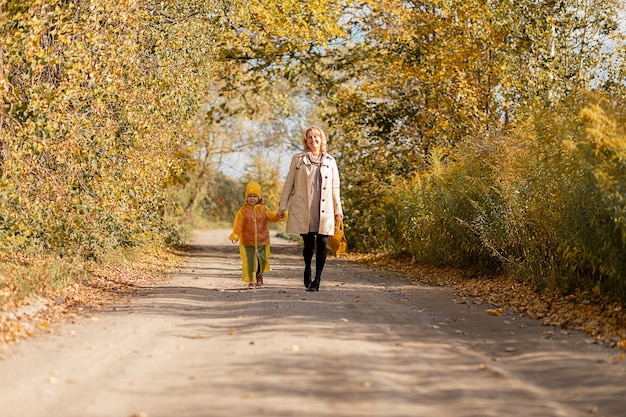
(100, 98)
(431, 74)
(96, 100)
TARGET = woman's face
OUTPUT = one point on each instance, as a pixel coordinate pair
(314, 141)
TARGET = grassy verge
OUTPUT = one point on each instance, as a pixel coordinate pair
(38, 291)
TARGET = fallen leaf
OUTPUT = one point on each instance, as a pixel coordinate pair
(494, 311)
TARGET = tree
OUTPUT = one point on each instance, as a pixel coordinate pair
(459, 71)
(95, 101)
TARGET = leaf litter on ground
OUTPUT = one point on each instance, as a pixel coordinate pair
(94, 284)
(591, 312)
(107, 283)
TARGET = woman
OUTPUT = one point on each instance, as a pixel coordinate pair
(311, 193)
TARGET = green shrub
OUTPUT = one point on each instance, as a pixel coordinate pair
(451, 215)
(546, 202)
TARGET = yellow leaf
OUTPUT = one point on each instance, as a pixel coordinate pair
(494, 311)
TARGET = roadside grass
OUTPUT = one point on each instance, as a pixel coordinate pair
(25, 277)
(289, 236)
(37, 291)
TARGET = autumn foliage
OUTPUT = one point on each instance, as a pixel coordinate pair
(106, 117)
(546, 206)
(481, 135)
(487, 135)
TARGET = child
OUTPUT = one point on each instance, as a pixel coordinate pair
(250, 229)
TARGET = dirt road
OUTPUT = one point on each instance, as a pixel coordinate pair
(368, 344)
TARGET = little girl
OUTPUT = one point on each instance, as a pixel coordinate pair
(250, 229)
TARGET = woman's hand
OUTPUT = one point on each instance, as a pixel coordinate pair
(338, 216)
(280, 214)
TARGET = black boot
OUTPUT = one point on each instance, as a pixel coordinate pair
(315, 285)
(307, 277)
(320, 260)
(307, 254)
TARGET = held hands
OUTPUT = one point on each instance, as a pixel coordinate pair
(234, 240)
(281, 214)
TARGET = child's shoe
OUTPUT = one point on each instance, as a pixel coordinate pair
(259, 281)
(251, 286)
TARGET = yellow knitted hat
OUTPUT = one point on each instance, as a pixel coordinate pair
(253, 188)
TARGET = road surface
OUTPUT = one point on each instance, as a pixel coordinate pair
(369, 343)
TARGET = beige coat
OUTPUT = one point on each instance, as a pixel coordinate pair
(295, 196)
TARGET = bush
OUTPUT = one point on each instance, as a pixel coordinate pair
(546, 202)
(451, 215)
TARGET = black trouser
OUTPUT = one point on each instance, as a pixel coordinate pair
(310, 241)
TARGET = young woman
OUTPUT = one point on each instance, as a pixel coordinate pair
(311, 194)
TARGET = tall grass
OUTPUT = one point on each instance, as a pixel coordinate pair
(24, 278)
(546, 201)
(448, 215)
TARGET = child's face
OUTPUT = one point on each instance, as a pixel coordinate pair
(252, 199)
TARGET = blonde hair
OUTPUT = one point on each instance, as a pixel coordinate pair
(320, 132)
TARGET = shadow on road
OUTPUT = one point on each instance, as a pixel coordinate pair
(367, 344)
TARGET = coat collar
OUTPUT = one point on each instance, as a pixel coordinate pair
(304, 158)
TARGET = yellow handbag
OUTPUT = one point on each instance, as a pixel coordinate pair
(337, 243)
